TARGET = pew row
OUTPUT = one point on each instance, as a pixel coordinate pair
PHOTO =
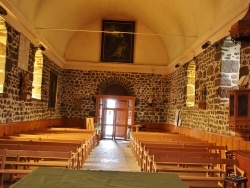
(75, 140)
(198, 169)
(16, 162)
(198, 163)
(151, 156)
(78, 151)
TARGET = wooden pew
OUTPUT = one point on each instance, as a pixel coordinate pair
(77, 151)
(160, 136)
(158, 155)
(145, 157)
(58, 138)
(4, 171)
(79, 141)
(210, 169)
(8, 140)
(53, 140)
(142, 142)
(209, 147)
(138, 140)
(164, 150)
(86, 134)
(221, 150)
(17, 158)
(29, 158)
(78, 148)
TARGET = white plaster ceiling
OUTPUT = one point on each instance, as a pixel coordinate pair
(167, 32)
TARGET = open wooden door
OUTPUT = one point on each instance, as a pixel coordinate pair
(115, 114)
(120, 126)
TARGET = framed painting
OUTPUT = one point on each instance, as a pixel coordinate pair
(117, 41)
(52, 90)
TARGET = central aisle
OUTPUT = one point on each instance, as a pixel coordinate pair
(112, 155)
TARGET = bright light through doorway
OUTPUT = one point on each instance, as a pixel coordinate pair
(111, 103)
(110, 117)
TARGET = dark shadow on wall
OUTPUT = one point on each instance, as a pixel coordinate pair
(115, 89)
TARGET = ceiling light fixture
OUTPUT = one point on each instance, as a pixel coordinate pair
(177, 65)
(41, 47)
(3, 11)
(206, 45)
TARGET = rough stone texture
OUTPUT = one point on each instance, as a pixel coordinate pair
(85, 85)
(230, 66)
(210, 70)
(214, 118)
(12, 108)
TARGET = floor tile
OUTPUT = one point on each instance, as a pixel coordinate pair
(112, 155)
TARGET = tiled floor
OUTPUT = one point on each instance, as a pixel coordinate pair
(112, 155)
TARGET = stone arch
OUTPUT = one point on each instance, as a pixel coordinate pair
(3, 42)
(190, 91)
(37, 75)
(230, 65)
(115, 89)
(115, 82)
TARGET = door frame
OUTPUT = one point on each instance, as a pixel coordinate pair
(100, 105)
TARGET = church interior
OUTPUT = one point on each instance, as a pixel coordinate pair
(164, 82)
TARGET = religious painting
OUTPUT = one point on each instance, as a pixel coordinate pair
(117, 41)
(52, 90)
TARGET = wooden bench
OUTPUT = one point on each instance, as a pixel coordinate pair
(86, 136)
(221, 150)
(198, 166)
(88, 141)
(17, 158)
(211, 169)
(139, 140)
(141, 157)
(29, 158)
(158, 155)
(78, 141)
(4, 171)
(142, 146)
(54, 141)
(145, 157)
(77, 151)
(78, 148)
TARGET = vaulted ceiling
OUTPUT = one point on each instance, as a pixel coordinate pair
(167, 32)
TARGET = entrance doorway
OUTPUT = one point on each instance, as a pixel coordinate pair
(115, 116)
(114, 126)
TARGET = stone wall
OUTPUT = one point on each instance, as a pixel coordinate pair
(82, 86)
(214, 118)
(12, 109)
(229, 58)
